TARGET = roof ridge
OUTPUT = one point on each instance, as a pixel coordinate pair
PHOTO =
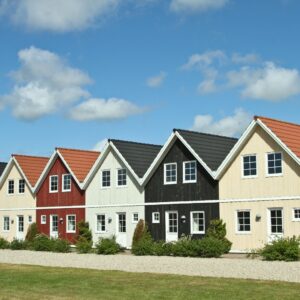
(132, 142)
(277, 120)
(32, 156)
(205, 133)
(73, 149)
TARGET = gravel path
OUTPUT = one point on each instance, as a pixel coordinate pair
(222, 267)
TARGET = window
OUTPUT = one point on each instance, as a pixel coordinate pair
(11, 187)
(66, 178)
(122, 222)
(6, 223)
(43, 219)
(71, 223)
(243, 221)
(172, 222)
(21, 186)
(135, 217)
(197, 222)
(249, 165)
(170, 173)
(276, 220)
(274, 163)
(105, 178)
(189, 171)
(100, 223)
(29, 219)
(20, 223)
(53, 183)
(296, 216)
(122, 179)
(155, 217)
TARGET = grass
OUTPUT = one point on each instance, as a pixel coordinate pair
(34, 282)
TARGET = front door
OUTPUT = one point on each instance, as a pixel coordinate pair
(20, 227)
(121, 229)
(54, 226)
(171, 226)
(275, 224)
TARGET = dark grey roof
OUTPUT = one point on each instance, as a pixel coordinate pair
(2, 167)
(138, 155)
(211, 148)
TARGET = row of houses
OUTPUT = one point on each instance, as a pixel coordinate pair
(252, 183)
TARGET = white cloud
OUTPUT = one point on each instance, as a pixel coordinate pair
(208, 85)
(43, 84)
(58, 15)
(195, 6)
(100, 145)
(249, 58)
(157, 80)
(270, 82)
(229, 126)
(102, 110)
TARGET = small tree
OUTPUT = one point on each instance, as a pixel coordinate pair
(32, 232)
(84, 231)
(140, 232)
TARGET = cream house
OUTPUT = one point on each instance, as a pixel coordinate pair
(259, 185)
(114, 196)
(17, 199)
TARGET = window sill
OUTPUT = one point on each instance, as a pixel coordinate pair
(243, 233)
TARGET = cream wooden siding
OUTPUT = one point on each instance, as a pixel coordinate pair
(9, 204)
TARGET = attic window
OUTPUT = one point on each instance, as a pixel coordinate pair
(21, 186)
(170, 176)
(121, 177)
(66, 178)
(53, 184)
(11, 187)
(189, 171)
(274, 163)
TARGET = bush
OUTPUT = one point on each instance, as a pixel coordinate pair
(84, 231)
(18, 244)
(162, 248)
(139, 232)
(83, 245)
(4, 244)
(209, 247)
(60, 245)
(185, 246)
(286, 249)
(32, 232)
(145, 246)
(42, 243)
(108, 246)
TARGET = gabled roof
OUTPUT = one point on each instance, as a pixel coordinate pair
(138, 155)
(2, 167)
(285, 134)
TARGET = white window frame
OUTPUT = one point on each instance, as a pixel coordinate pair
(30, 222)
(165, 173)
(107, 187)
(50, 178)
(63, 183)
(67, 223)
(267, 166)
(117, 176)
(189, 181)
(237, 231)
(191, 222)
(242, 166)
(154, 221)
(293, 211)
(43, 219)
(96, 227)
(6, 230)
(8, 181)
(19, 186)
(133, 220)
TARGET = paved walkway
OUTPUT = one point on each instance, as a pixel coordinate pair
(220, 267)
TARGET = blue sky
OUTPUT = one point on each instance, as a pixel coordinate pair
(74, 74)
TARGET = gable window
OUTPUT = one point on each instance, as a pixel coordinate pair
(21, 186)
(274, 163)
(105, 178)
(243, 221)
(122, 178)
(6, 223)
(155, 217)
(197, 222)
(296, 215)
(43, 219)
(71, 223)
(53, 184)
(170, 173)
(66, 178)
(249, 166)
(100, 223)
(11, 187)
(135, 217)
(189, 171)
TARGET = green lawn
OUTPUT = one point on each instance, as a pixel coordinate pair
(32, 282)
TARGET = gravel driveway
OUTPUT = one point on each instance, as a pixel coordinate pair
(222, 267)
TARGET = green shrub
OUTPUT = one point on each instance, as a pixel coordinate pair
(42, 243)
(162, 248)
(185, 246)
(84, 231)
(286, 249)
(139, 232)
(60, 245)
(83, 245)
(4, 244)
(18, 244)
(145, 246)
(209, 247)
(108, 246)
(32, 232)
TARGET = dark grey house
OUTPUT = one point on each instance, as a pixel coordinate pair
(2, 167)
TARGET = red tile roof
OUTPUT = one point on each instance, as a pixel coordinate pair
(32, 166)
(288, 133)
(80, 161)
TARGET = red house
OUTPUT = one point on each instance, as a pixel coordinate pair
(60, 198)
